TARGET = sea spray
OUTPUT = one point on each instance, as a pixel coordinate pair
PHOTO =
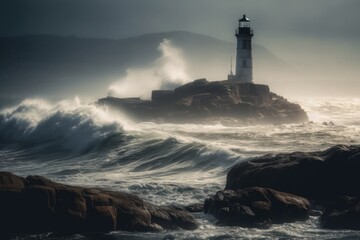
(76, 126)
(337, 110)
(166, 72)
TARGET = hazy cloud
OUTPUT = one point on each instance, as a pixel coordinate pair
(319, 39)
(123, 18)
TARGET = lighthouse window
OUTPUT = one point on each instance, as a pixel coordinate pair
(244, 63)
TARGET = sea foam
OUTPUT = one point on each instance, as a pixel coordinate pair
(76, 126)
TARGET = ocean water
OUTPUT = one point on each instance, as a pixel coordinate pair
(167, 164)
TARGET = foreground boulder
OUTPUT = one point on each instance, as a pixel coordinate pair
(203, 101)
(256, 207)
(344, 213)
(36, 204)
(320, 176)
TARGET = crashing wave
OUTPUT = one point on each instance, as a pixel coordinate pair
(76, 126)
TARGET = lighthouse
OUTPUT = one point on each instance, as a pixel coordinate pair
(243, 70)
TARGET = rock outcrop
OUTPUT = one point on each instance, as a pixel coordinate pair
(256, 207)
(344, 213)
(320, 176)
(36, 204)
(203, 101)
(196, 207)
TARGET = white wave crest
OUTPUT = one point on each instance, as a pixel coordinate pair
(76, 125)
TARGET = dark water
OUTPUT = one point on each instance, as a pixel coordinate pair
(79, 143)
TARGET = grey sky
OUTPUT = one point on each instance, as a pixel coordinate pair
(123, 18)
(319, 38)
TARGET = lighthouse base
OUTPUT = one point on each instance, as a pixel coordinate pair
(239, 79)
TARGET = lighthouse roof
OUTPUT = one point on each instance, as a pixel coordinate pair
(244, 19)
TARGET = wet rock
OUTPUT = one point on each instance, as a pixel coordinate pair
(38, 208)
(36, 204)
(256, 207)
(102, 218)
(41, 181)
(71, 209)
(320, 176)
(343, 213)
(11, 182)
(171, 218)
(196, 207)
(10, 200)
(200, 101)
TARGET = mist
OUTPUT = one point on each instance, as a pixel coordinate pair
(89, 150)
(165, 73)
(314, 45)
(316, 67)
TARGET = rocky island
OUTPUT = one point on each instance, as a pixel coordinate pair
(237, 100)
(202, 101)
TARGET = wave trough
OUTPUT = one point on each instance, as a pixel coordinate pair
(81, 143)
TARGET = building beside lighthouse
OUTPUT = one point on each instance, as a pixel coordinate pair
(244, 66)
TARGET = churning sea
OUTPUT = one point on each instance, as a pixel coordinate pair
(167, 164)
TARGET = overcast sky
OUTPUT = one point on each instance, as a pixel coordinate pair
(123, 18)
(321, 38)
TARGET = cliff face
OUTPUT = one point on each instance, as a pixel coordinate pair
(203, 101)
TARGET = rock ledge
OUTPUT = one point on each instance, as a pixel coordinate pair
(36, 204)
(256, 207)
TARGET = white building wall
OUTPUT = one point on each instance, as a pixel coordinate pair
(244, 60)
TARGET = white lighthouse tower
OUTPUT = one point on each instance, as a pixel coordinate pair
(243, 53)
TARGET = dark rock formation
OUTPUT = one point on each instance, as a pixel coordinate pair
(344, 213)
(36, 204)
(321, 176)
(196, 207)
(201, 101)
(256, 207)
